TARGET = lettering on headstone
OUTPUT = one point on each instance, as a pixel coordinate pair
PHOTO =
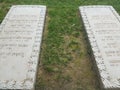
(20, 39)
(103, 23)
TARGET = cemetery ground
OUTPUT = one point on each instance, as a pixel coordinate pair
(65, 58)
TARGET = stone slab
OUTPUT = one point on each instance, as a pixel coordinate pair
(102, 24)
(20, 41)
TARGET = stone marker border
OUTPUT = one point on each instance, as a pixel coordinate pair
(101, 67)
(29, 83)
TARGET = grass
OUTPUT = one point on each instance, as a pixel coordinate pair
(65, 61)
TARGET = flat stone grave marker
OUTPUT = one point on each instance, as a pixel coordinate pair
(102, 24)
(20, 39)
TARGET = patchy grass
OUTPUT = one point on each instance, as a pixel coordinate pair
(65, 62)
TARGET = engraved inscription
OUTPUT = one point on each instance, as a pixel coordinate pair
(104, 26)
(19, 30)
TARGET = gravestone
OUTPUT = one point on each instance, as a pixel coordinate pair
(102, 24)
(20, 40)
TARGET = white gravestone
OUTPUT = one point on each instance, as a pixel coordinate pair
(20, 39)
(102, 24)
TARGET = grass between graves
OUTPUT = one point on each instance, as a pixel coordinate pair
(65, 60)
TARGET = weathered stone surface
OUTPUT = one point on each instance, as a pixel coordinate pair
(102, 24)
(20, 39)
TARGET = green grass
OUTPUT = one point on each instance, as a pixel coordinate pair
(65, 63)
